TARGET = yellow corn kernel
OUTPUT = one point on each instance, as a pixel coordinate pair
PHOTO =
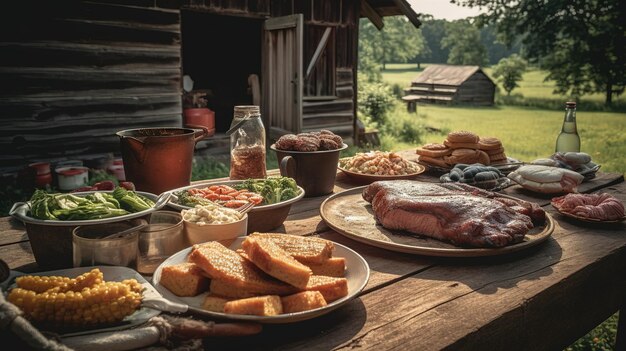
(40, 284)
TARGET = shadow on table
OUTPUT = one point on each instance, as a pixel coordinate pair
(486, 275)
(337, 327)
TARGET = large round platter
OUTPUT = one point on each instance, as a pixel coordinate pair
(111, 273)
(585, 219)
(20, 211)
(370, 178)
(357, 274)
(350, 215)
(200, 185)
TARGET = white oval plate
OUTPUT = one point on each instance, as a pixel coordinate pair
(357, 274)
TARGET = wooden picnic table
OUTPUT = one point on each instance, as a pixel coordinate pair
(541, 298)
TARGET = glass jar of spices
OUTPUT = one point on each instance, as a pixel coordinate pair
(247, 144)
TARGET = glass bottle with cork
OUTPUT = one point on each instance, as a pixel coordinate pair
(247, 143)
(568, 140)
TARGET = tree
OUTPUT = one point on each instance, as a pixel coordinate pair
(580, 42)
(370, 51)
(496, 49)
(398, 41)
(463, 40)
(509, 71)
(433, 32)
(401, 41)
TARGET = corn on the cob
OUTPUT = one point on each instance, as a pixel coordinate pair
(100, 303)
(41, 284)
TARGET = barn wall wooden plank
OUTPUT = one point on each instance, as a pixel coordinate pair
(65, 54)
(81, 70)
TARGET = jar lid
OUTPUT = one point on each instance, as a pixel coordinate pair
(570, 104)
(246, 111)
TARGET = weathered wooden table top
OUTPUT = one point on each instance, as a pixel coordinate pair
(542, 298)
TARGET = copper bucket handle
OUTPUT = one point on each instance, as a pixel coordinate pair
(199, 134)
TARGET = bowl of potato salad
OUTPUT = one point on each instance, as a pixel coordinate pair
(367, 167)
(212, 222)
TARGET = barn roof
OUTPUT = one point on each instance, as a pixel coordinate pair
(446, 74)
(375, 10)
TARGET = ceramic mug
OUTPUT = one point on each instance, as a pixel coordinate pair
(314, 171)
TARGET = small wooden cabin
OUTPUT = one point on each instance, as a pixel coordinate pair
(74, 72)
(450, 84)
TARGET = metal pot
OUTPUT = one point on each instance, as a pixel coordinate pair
(199, 118)
(159, 159)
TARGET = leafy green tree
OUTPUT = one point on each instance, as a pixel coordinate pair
(580, 42)
(463, 40)
(370, 51)
(401, 40)
(496, 48)
(509, 71)
(398, 41)
(433, 32)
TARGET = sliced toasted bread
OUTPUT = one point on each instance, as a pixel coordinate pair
(273, 260)
(184, 279)
(302, 301)
(269, 305)
(215, 303)
(330, 287)
(227, 289)
(220, 262)
(302, 248)
(332, 267)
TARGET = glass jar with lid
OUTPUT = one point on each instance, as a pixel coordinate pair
(247, 143)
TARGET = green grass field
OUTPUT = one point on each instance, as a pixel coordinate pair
(527, 133)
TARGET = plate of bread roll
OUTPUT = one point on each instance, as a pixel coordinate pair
(263, 277)
(465, 147)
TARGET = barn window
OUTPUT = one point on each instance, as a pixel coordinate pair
(319, 74)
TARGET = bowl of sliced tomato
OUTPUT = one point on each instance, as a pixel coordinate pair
(272, 198)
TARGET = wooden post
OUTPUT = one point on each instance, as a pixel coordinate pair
(411, 103)
(411, 106)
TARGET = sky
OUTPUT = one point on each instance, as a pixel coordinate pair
(443, 9)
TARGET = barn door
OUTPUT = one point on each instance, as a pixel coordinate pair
(282, 75)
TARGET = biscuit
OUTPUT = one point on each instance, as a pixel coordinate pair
(462, 136)
(497, 157)
(468, 156)
(434, 161)
(489, 144)
(460, 145)
(483, 157)
(433, 150)
(494, 151)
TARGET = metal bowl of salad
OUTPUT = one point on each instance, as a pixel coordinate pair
(272, 196)
(50, 218)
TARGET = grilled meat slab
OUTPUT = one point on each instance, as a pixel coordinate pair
(458, 213)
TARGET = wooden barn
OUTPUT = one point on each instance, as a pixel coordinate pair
(450, 84)
(75, 72)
